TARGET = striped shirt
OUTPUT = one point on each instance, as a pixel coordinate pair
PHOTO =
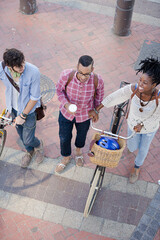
(81, 94)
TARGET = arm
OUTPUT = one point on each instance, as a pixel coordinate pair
(118, 97)
(34, 97)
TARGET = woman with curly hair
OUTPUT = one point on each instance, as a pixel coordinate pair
(144, 113)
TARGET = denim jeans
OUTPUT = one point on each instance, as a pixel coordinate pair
(65, 134)
(27, 131)
(142, 143)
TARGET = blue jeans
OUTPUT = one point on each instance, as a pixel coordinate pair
(142, 143)
(65, 134)
(27, 131)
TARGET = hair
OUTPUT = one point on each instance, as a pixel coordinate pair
(151, 67)
(13, 57)
(86, 60)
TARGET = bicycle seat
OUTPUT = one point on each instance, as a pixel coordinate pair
(108, 143)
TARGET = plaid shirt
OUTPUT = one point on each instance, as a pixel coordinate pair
(81, 94)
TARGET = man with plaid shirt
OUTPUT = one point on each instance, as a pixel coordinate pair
(86, 90)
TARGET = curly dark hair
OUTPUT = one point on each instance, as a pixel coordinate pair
(13, 58)
(151, 67)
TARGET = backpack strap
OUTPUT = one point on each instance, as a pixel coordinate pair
(69, 79)
(135, 90)
(95, 83)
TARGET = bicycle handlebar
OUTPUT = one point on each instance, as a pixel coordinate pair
(112, 134)
(7, 122)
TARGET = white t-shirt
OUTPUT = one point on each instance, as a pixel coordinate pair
(15, 95)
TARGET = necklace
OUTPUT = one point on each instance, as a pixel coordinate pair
(144, 104)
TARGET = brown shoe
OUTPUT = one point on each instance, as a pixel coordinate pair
(27, 159)
(134, 175)
(39, 153)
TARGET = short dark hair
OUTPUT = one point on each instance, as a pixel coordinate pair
(13, 57)
(86, 60)
(151, 67)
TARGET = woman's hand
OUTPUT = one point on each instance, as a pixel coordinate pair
(138, 127)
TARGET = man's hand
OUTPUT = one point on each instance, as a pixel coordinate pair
(67, 108)
(93, 115)
(138, 127)
(18, 121)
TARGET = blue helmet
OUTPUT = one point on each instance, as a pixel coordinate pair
(108, 143)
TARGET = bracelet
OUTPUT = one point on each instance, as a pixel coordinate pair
(24, 115)
(96, 111)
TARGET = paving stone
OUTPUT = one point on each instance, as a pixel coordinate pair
(146, 237)
(138, 188)
(155, 204)
(154, 224)
(118, 183)
(117, 230)
(151, 232)
(79, 174)
(142, 227)
(4, 198)
(150, 211)
(17, 203)
(137, 235)
(157, 196)
(53, 213)
(157, 216)
(72, 218)
(146, 219)
(35, 208)
(151, 190)
(92, 224)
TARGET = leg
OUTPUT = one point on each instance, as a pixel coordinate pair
(143, 148)
(133, 143)
(65, 135)
(144, 145)
(82, 129)
(30, 142)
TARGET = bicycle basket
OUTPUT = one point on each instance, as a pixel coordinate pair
(104, 157)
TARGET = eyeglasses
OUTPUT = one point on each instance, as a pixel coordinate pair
(85, 75)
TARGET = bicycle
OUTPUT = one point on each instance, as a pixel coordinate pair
(118, 115)
(3, 133)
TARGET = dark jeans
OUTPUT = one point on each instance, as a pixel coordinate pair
(65, 134)
(27, 131)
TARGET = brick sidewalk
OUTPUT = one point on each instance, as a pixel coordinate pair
(53, 39)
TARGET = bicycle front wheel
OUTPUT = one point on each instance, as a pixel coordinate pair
(3, 136)
(96, 183)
